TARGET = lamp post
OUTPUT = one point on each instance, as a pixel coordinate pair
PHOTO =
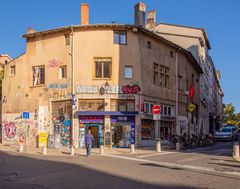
(73, 92)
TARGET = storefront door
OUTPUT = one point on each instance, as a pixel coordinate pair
(95, 132)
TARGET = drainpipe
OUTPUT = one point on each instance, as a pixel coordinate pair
(73, 92)
(176, 63)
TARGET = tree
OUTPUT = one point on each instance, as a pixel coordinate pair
(230, 118)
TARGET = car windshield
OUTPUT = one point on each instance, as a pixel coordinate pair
(226, 130)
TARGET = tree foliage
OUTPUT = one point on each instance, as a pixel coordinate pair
(230, 118)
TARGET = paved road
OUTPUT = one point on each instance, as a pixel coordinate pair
(192, 169)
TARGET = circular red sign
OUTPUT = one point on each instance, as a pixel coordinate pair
(156, 109)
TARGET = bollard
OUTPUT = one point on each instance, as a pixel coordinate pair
(132, 149)
(21, 147)
(178, 146)
(72, 150)
(236, 149)
(44, 149)
(158, 145)
(101, 149)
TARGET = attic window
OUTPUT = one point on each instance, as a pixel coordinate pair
(12, 70)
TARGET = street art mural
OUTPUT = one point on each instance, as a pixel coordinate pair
(62, 125)
(53, 63)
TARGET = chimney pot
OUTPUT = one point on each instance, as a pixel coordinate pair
(84, 14)
(151, 20)
(139, 17)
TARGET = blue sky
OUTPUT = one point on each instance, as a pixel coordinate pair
(220, 18)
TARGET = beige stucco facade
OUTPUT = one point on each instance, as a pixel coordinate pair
(49, 102)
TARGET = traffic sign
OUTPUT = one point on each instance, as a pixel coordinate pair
(156, 110)
(156, 116)
(191, 91)
(191, 107)
(25, 115)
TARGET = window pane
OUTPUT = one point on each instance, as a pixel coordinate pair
(128, 72)
(122, 106)
(107, 70)
(169, 111)
(42, 75)
(98, 70)
(123, 38)
(116, 38)
(130, 106)
(155, 77)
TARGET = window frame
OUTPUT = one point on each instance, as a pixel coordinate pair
(161, 75)
(40, 82)
(119, 33)
(62, 76)
(67, 39)
(125, 67)
(11, 68)
(102, 61)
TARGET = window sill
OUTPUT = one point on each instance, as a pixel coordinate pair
(36, 86)
(102, 79)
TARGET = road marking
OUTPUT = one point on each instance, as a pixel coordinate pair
(174, 165)
(156, 154)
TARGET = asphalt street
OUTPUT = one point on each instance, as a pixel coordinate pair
(202, 168)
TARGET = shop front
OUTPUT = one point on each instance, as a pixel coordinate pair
(93, 123)
(123, 131)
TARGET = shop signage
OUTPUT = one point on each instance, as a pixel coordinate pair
(91, 119)
(131, 89)
(191, 107)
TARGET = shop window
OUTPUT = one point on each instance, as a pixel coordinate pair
(91, 105)
(12, 70)
(120, 37)
(128, 72)
(169, 111)
(123, 105)
(103, 68)
(63, 72)
(38, 75)
(166, 130)
(148, 129)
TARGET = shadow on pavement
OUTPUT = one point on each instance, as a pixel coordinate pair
(36, 172)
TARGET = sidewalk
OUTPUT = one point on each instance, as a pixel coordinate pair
(64, 151)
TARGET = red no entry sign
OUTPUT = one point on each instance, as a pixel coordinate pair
(156, 110)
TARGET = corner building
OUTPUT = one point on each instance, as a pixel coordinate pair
(105, 78)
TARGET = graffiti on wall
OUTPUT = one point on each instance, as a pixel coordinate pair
(53, 63)
(9, 131)
(62, 125)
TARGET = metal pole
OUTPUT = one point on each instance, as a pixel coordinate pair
(158, 144)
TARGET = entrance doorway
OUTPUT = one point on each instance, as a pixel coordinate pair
(95, 132)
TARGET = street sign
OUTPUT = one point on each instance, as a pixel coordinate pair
(156, 110)
(191, 91)
(156, 117)
(191, 107)
(25, 115)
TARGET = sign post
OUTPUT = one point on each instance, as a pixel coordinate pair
(157, 117)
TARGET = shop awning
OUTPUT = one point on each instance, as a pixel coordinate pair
(92, 113)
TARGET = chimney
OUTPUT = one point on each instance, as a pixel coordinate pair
(30, 30)
(151, 20)
(139, 17)
(84, 14)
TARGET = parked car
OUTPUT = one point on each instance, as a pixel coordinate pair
(226, 133)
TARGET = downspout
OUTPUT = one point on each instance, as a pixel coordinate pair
(176, 64)
(73, 90)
